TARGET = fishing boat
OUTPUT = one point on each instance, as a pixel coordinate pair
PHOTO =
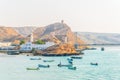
(35, 58)
(32, 68)
(48, 60)
(64, 65)
(70, 62)
(72, 68)
(94, 64)
(69, 59)
(43, 66)
(75, 57)
(102, 49)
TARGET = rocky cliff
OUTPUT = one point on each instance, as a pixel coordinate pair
(61, 49)
(25, 31)
(56, 32)
(8, 34)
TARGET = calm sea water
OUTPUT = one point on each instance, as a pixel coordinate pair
(14, 67)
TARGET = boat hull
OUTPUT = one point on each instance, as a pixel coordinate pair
(32, 68)
(43, 66)
(35, 58)
(48, 60)
(72, 68)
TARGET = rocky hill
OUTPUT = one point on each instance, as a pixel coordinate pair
(8, 34)
(56, 32)
(25, 31)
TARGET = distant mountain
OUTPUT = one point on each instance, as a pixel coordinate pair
(8, 34)
(99, 38)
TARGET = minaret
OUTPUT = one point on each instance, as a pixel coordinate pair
(66, 39)
(31, 37)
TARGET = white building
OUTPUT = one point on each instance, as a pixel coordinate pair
(5, 44)
(29, 46)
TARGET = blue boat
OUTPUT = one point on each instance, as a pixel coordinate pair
(70, 62)
(72, 68)
(35, 58)
(48, 60)
(102, 49)
(64, 65)
(96, 64)
(75, 57)
(43, 66)
(69, 59)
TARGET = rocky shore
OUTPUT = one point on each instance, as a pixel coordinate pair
(58, 50)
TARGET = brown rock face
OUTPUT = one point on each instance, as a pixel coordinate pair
(56, 32)
(16, 42)
(61, 49)
(8, 34)
(26, 30)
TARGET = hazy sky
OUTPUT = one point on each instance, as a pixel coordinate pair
(80, 15)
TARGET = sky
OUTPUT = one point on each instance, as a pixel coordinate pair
(80, 15)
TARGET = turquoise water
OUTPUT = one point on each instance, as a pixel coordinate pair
(14, 67)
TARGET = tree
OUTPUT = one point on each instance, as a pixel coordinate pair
(40, 42)
(22, 42)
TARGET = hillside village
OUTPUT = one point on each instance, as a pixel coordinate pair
(58, 39)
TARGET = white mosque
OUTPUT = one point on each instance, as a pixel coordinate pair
(29, 45)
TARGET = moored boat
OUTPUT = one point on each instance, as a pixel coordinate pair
(48, 60)
(43, 66)
(94, 64)
(70, 62)
(69, 59)
(64, 65)
(102, 49)
(72, 68)
(35, 58)
(76, 57)
(32, 68)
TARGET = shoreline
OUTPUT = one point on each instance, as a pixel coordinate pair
(45, 54)
(64, 54)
